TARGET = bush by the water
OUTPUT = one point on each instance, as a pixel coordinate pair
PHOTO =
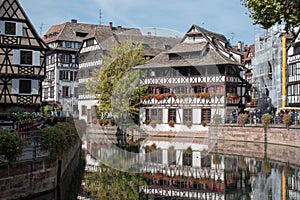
(58, 138)
(11, 145)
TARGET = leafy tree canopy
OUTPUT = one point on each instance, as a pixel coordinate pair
(115, 83)
(270, 12)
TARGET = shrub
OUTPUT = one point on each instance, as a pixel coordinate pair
(217, 119)
(11, 145)
(266, 120)
(188, 123)
(58, 139)
(287, 120)
(242, 119)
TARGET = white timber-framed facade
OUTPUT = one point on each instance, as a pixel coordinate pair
(192, 82)
(96, 45)
(60, 86)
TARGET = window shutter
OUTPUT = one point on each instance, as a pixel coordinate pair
(2, 27)
(35, 87)
(61, 74)
(16, 57)
(15, 86)
(19, 29)
(36, 58)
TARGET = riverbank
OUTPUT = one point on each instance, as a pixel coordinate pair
(24, 180)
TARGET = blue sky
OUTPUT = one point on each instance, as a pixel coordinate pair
(227, 17)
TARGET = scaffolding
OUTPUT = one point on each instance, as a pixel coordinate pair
(267, 68)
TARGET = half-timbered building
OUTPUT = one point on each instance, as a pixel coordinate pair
(22, 57)
(190, 84)
(293, 74)
(60, 87)
(96, 45)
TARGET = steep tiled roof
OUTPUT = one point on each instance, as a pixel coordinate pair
(205, 52)
(68, 31)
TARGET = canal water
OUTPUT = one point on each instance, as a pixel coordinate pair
(188, 168)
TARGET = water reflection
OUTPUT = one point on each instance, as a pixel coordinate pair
(179, 168)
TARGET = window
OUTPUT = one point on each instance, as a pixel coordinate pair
(68, 44)
(199, 89)
(147, 115)
(187, 158)
(156, 114)
(25, 87)
(65, 91)
(76, 92)
(10, 28)
(171, 156)
(187, 115)
(180, 90)
(51, 92)
(90, 42)
(46, 93)
(205, 115)
(172, 115)
(83, 110)
(26, 57)
(65, 58)
(64, 75)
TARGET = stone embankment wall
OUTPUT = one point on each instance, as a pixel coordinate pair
(249, 141)
(31, 178)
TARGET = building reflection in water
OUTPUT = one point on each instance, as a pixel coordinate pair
(184, 169)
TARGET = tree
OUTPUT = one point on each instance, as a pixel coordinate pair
(111, 183)
(267, 13)
(115, 83)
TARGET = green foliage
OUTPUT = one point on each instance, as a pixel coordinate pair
(17, 116)
(47, 110)
(115, 83)
(268, 13)
(113, 184)
(242, 119)
(266, 120)
(11, 145)
(287, 120)
(217, 119)
(59, 138)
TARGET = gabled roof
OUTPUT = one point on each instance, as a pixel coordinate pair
(211, 49)
(11, 10)
(152, 45)
(68, 31)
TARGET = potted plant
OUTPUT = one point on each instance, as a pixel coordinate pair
(204, 123)
(188, 123)
(153, 123)
(266, 120)
(217, 119)
(287, 120)
(242, 119)
(171, 123)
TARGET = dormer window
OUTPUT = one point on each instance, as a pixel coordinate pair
(10, 28)
(174, 56)
(90, 42)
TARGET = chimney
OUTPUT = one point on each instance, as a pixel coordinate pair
(74, 21)
(110, 25)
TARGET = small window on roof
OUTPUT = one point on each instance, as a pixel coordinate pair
(81, 34)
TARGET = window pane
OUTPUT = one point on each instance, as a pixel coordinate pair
(25, 86)
(26, 57)
(10, 28)
(172, 115)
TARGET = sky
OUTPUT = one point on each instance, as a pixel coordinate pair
(227, 17)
